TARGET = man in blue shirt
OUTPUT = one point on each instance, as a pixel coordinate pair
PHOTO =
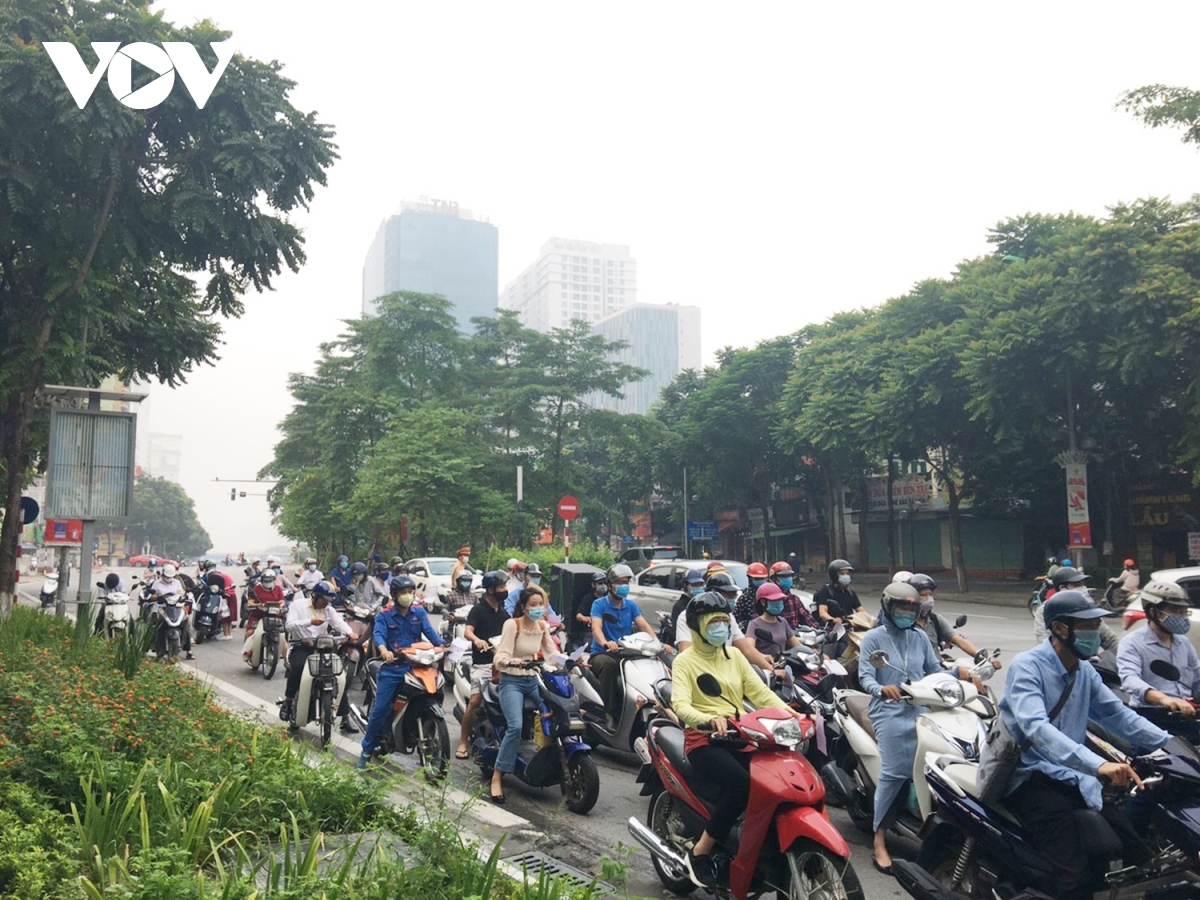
(340, 574)
(606, 634)
(1167, 621)
(1058, 775)
(400, 625)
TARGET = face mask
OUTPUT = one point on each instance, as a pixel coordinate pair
(756, 583)
(1086, 644)
(278, 570)
(904, 620)
(717, 633)
(1176, 624)
(621, 590)
(786, 583)
(404, 601)
(535, 580)
(535, 612)
(343, 562)
(697, 590)
(843, 579)
(775, 607)
(312, 567)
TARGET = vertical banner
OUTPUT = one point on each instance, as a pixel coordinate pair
(1079, 528)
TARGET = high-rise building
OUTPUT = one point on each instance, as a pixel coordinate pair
(572, 280)
(434, 247)
(163, 455)
(664, 339)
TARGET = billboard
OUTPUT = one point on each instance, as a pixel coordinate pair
(90, 471)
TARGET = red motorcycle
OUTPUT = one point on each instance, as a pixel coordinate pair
(784, 842)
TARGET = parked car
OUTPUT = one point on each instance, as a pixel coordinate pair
(140, 562)
(657, 588)
(437, 569)
(638, 558)
(1187, 578)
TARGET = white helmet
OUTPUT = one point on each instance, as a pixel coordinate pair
(268, 576)
(272, 560)
(511, 563)
(1157, 592)
(169, 571)
(902, 577)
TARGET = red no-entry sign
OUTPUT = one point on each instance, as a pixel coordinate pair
(568, 508)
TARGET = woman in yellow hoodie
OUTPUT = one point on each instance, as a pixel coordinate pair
(708, 616)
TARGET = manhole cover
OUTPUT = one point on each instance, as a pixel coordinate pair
(535, 864)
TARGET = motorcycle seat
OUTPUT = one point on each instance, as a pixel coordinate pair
(669, 739)
(856, 706)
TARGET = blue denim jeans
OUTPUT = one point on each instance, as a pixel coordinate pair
(513, 691)
(387, 682)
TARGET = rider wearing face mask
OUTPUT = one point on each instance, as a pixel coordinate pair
(709, 617)
(910, 657)
(340, 574)
(837, 602)
(795, 613)
(693, 586)
(311, 574)
(771, 604)
(1167, 621)
(531, 576)
(747, 601)
(606, 634)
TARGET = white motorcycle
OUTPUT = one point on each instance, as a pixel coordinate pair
(954, 723)
(641, 669)
(322, 684)
(116, 611)
(49, 589)
(268, 640)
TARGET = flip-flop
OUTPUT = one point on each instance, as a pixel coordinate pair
(886, 870)
(462, 753)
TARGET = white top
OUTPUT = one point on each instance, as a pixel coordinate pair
(301, 614)
(308, 579)
(163, 586)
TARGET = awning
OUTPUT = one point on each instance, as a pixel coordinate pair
(782, 532)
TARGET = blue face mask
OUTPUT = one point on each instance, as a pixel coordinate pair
(775, 607)
(786, 583)
(1176, 624)
(843, 580)
(904, 620)
(535, 580)
(756, 583)
(621, 590)
(696, 590)
(717, 633)
(535, 612)
(1086, 643)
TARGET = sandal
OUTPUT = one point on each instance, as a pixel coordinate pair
(462, 753)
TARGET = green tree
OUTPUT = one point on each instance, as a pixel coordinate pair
(164, 517)
(107, 212)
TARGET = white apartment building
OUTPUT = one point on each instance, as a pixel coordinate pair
(572, 280)
(661, 338)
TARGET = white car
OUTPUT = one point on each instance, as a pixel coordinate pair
(437, 569)
(1187, 578)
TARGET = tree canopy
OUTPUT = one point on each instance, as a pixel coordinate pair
(164, 517)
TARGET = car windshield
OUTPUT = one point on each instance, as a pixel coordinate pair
(440, 566)
(663, 553)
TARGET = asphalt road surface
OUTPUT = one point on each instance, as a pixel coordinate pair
(582, 840)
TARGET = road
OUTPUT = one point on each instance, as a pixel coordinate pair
(582, 840)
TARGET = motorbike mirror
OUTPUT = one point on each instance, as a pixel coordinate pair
(960, 621)
(878, 659)
(981, 656)
(99, 584)
(709, 685)
(1164, 669)
(610, 619)
(763, 634)
(996, 653)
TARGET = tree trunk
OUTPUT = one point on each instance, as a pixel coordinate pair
(766, 530)
(956, 551)
(830, 519)
(864, 549)
(891, 515)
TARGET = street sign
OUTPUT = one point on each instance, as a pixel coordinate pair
(702, 530)
(1194, 545)
(568, 508)
(29, 510)
(63, 532)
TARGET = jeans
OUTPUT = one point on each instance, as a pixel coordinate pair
(513, 691)
(731, 770)
(387, 681)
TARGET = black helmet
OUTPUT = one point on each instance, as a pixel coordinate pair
(401, 583)
(923, 583)
(358, 569)
(599, 577)
(897, 592)
(702, 605)
(722, 582)
(1068, 575)
(111, 580)
(1071, 605)
(396, 560)
(836, 566)
(494, 579)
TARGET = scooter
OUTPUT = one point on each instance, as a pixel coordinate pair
(116, 611)
(641, 668)
(559, 755)
(322, 684)
(268, 642)
(953, 724)
(454, 622)
(418, 721)
(207, 618)
(49, 590)
(172, 619)
(784, 842)
(972, 849)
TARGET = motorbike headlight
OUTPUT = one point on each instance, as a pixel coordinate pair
(786, 731)
(951, 692)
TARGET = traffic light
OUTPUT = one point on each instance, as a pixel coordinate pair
(233, 493)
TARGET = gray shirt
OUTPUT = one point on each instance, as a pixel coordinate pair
(1141, 648)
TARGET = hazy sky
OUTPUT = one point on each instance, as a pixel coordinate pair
(771, 163)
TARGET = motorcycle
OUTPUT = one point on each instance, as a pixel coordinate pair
(1038, 596)
(641, 668)
(971, 849)
(171, 614)
(454, 622)
(49, 591)
(322, 684)
(207, 617)
(267, 641)
(953, 723)
(560, 755)
(116, 611)
(362, 622)
(418, 721)
(784, 841)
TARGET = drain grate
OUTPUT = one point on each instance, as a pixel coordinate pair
(535, 863)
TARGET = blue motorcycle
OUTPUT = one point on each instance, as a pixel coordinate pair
(557, 754)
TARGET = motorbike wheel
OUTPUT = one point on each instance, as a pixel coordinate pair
(434, 748)
(173, 646)
(663, 821)
(270, 658)
(814, 873)
(326, 717)
(581, 783)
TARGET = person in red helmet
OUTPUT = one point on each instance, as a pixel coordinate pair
(745, 608)
(1127, 584)
(795, 613)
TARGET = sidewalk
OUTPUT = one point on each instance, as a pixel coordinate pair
(986, 593)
